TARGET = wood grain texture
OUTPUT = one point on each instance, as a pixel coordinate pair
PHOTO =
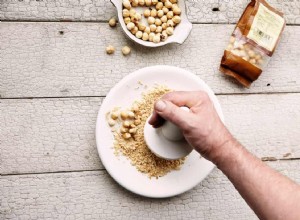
(69, 59)
(199, 11)
(58, 134)
(49, 135)
(94, 195)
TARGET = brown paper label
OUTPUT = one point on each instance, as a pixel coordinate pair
(266, 28)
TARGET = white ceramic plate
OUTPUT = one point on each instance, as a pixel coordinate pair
(181, 31)
(195, 168)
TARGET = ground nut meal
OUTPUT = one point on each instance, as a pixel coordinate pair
(127, 126)
(162, 17)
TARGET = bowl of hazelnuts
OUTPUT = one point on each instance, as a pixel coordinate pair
(153, 23)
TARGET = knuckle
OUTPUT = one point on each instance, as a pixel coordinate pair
(172, 112)
(203, 96)
(167, 96)
(188, 126)
(189, 123)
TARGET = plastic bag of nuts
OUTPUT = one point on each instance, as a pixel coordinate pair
(253, 42)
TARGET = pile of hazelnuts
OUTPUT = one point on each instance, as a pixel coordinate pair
(162, 17)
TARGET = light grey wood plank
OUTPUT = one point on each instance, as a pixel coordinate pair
(49, 135)
(94, 195)
(268, 125)
(37, 61)
(92, 10)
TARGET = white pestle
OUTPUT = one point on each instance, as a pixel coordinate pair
(171, 131)
(167, 141)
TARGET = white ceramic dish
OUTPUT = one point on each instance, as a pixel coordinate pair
(163, 147)
(195, 168)
(181, 31)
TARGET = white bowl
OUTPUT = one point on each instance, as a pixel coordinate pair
(181, 31)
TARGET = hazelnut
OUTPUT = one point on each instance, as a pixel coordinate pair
(177, 11)
(251, 53)
(148, 2)
(151, 20)
(134, 30)
(170, 14)
(145, 36)
(168, 4)
(170, 31)
(114, 115)
(130, 26)
(147, 30)
(126, 136)
(127, 20)
(153, 13)
(160, 13)
(165, 10)
(125, 13)
(164, 19)
(158, 22)
(170, 23)
(253, 61)
(141, 2)
(112, 22)
(141, 26)
(126, 50)
(158, 29)
(154, 2)
(176, 19)
(110, 49)
(159, 6)
(152, 27)
(139, 34)
(111, 122)
(126, 4)
(156, 39)
(147, 13)
(151, 36)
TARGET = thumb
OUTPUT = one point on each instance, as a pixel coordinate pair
(172, 113)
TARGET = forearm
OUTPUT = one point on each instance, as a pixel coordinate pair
(270, 194)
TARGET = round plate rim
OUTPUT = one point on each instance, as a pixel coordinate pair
(116, 87)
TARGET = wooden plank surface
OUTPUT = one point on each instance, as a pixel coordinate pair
(57, 135)
(69, 59)
(210, 11)
(94, 195)
(49, 135)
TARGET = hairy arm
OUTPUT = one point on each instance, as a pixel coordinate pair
(270, 194)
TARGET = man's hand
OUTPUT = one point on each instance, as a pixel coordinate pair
(201, 126)
(270, 194)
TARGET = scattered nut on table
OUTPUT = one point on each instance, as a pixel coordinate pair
(126, 50)
(110, 49)
(112, 22)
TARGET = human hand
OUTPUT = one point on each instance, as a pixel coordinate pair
(201, 126)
